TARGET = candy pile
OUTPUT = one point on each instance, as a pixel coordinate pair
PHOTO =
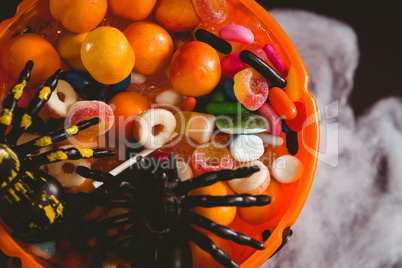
(195, 68)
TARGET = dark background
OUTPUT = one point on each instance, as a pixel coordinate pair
(378, 27)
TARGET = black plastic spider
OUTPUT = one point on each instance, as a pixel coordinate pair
(32, 203)
(160, 215)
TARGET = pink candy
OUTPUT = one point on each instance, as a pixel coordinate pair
(268, 112)
(23, 102)
(232, 64)
(162, 157)
(236, 33)
(275, 58)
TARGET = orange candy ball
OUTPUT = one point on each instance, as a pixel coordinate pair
(132, 9)
(107, 55)
(258, 215)
(220, 215)
(22, 48)
(78, 16)
(195, 69)
(152, 46)
(69, 48)
(177, 15)
(127, 105)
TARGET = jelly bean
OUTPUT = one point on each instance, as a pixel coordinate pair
(211, 156)
(137, 78)
(287, 169)
(188, 104)
(292, 142)
(212, 11)
(281, 103)
(275, 58)
(254, 184)
(104, 94)
(250, 88)
(246, 124)
(169, 97)
(123, 85)
(198, 126)
(268, 112)
(229, 91)
(214, 41)
(246, 147)
(161, 156)
(80, 81)
(232, 64)
(64, 244)
(237, 33)
(297, 123)
(218, 96)
(292, 88)
(154, 127)
(270, 139)
(225, 108)
(263, 68)
(285, 127)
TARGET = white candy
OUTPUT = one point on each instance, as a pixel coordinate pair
(254, 184)
(137, 78)
(184, 171)
(287, 169)
(151, 118)
(245, 148)
(64, 172)
(270, 139)
(169, 97)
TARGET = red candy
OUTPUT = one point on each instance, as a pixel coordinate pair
(188, 104)
(281, 103)
(269, 113)
(84, 110)
(232, 64)
(296, 124)
(211, 156)
(23, 102)
(250, 88)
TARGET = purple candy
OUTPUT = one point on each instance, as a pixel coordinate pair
(275, 58)
(236, 33)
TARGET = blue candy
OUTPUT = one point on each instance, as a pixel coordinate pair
(285, 127)
(228, 86)
(80, 81)
(123, 85)
(45, 250)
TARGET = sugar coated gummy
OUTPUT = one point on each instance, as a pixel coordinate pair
(212, 11)
(211, 156)
(254, 184)
(250, 88)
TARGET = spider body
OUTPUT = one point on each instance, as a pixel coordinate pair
(31, 201)
(159, 219)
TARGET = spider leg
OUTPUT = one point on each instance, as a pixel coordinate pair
(40, 98)
(107, 224)
(56, 136)
(12, 98)
(223, 231)
(215, 176)
(116, 202)
(72, 153)
(111, 243)
(243, 200)
(208, 246)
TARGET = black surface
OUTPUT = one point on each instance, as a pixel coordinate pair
(380, 42)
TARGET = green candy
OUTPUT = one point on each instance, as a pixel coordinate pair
(218, 96)
(244, 124)
(225, 108)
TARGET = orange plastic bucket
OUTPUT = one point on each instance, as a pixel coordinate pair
(34, 12)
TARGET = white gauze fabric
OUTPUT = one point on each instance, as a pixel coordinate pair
(353, 215)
